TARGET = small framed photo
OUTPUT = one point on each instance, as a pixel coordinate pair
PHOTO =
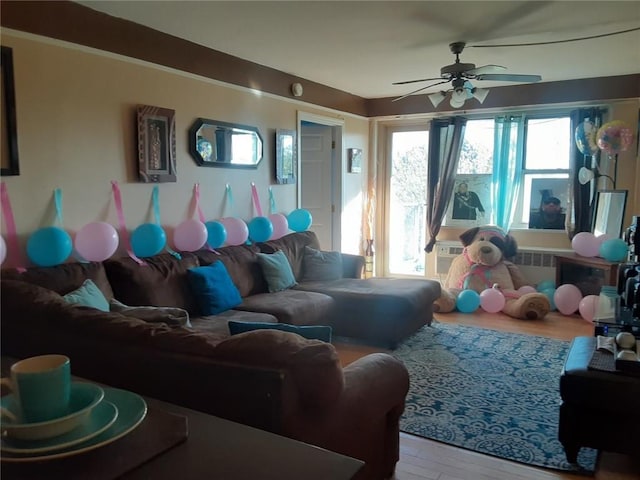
(156, 144)
(286, 157)
(470, 204)
(354, 156)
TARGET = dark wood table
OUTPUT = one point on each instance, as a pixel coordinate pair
(214, 449)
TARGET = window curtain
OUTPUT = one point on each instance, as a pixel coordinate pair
(445, 141)
(579, 218)
(508, 144)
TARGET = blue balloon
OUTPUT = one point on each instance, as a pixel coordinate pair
(148, 240)
(468, 301)
(549, 293)
(216, 234)
(546, 285)
(614, 250)
(260, 229)
(49, 246)
(299, 220)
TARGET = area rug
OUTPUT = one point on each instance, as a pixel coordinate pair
(492, 392)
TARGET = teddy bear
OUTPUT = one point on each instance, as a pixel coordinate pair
(483, 264)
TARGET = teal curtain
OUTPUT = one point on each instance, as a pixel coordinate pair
(507, 167)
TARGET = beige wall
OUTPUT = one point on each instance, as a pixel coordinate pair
(76, 131)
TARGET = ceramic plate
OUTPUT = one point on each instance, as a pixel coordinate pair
(83, 398)
(100, 418)
(131, 411)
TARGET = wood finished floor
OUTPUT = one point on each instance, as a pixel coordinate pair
(422, 459)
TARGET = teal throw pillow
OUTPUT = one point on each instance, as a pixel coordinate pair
(277, 271)
(319, 266)
(213, 288)
(88, 295)
(312, 332)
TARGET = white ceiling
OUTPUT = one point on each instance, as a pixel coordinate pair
(362, 47)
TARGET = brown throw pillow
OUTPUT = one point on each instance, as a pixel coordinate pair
(319, 266)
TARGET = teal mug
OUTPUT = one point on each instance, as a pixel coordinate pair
(41, 386)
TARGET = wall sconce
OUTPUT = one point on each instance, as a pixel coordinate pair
(296, 89)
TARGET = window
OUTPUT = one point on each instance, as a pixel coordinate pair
(543, 175)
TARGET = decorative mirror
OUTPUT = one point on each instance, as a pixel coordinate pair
(609, 212)
(9, 159)
(286, 158)
(219, 144)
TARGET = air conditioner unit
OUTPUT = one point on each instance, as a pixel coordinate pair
(536, 264)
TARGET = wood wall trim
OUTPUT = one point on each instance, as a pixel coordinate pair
(75, 23)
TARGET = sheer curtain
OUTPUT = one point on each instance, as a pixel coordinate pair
(445, 141)
(579, 217)
(507, 164)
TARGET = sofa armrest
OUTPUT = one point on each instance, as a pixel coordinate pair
(352, 266)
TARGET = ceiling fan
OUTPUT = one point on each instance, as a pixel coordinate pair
(460, 74)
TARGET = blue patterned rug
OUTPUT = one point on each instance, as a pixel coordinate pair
(491, 392)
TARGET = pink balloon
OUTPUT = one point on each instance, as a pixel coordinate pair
(601, 239)
(588, 307)
(237, 230)
(526, 289)
(492, 300)
(567, 298)
(280, 225)
(96, 241)
(585, 244)
(3, 250)
(190, 235)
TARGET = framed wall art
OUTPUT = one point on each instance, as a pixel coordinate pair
(286, 156)
(156, 144)
(10, 163)
(354, 156)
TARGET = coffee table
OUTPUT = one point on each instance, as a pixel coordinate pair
(214, 448)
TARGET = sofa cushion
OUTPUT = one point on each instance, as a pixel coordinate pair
(162, 282)
(312, 332)
(277, 271)
(175, 317)
(65, 277)
(319, 266)
(242, 264)
(294, 307)
(88, 295)
(293, 247)
(213, 288)
(218, 324)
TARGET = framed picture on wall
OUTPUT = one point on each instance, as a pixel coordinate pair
(286, 157)
(470, 203)
(156, 144)
(354, 156)
(10, 163)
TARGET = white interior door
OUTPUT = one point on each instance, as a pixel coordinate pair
(316, 157)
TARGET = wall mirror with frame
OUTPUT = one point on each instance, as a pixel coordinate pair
(286, 157)
(10, 162)
(609, 212)
(213, 143)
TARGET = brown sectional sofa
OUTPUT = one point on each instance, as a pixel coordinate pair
(268, 379)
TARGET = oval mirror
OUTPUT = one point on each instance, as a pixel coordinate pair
(220, 144)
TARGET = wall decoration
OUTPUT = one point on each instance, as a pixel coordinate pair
(548, 203)
(354, 156)
(470, 203)
(156, 144)
(286, 156)
(213, 143)
(9, 156)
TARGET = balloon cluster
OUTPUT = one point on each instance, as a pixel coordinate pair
(97, 241)
(614, 137)
(491, 300)
(587, 244)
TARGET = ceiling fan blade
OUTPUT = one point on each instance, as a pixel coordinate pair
(416, 81)
(509, 77)
(419, 90)
(485, 69)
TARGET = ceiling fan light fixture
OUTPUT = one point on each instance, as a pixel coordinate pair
(456, 102)
(480, 94)
(436, 98)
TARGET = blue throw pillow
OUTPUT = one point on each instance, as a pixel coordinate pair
(88, 295)
(277, 271)
(313, 332)
(213, 288)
